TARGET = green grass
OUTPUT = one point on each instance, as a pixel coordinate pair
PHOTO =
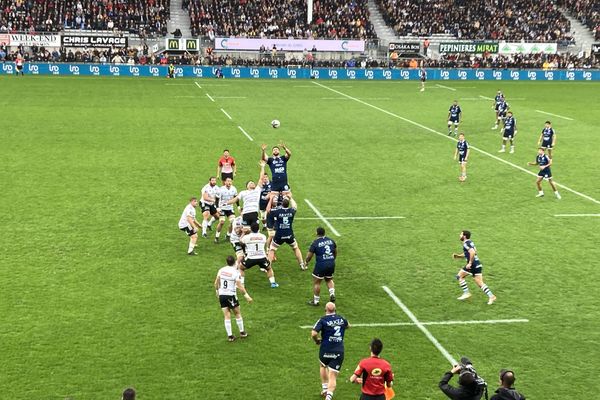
(98, 294)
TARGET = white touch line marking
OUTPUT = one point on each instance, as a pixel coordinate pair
(471, 322)
(197, 84)
(485, 97)
(419, 325)
(230, 97)
(445, 87)
(227, 115)
(351, 218)
(585, 196)
(245, 133)
(555, 115)
(178, 84)
(577, 215)
(211, 99)
(322, 218)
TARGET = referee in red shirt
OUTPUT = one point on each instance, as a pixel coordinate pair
(374, 374)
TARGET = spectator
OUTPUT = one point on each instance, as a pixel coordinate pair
(467, 387)
(177, 33)
(506, 391)
(128, 394)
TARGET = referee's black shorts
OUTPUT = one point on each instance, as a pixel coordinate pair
(364, 396)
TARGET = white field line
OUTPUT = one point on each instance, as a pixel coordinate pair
(177, 84)
(197, 84)
(211, 84)
(365, 98)
(245, 133)
(230, 97)
(350, 218)
(304, 86)
(226, 114)
(445, 87)
(470, 322)
(485, 97)
(211, 99)
(322, 218)
(419, 325)
(444, 135)
(577, 215)
(186, 97)
(555, 115)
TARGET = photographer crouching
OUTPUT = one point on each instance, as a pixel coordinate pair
(470, 386)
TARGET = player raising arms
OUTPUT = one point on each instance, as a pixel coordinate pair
(547, 138)
(454, 117)
(189, 224)
(251, 199)
(226, 285)
(283, 218)
(237, 230)
(544, 162)
(497, 100)
(509, 131)
(278, 166)
(254, 243)
(209, 204)
(473, 268)
(264, 199)
(325, 251)
(224, 194)
(462, 154)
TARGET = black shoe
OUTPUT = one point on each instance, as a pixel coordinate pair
(332, 298)
(312, 303)
(216, 240)
(204, 235)
(193, 253)
(209, 227)
(230, 338)
(244, 334)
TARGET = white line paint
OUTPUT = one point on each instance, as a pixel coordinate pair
(444, 135)
(445, 87)
(554, 115)
(365, 98)
(197, 84)
(230, 97)
(226, 114)
(577, 215)
(178, 84)
(485, 97)
(211, 99)
(211, 84)
(246, 133)
(350, 218)
(322, 218)
(304, 86)
(186, 97)
(470, 322)
(419, 325)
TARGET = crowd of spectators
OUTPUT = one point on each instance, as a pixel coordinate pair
(145, 17)
(332, 19)
(533, 20)
(518, 61)
(586, 11)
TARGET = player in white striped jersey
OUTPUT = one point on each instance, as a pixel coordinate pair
(226, 285)
(256, 254)
(208, 197)
(234, 238)
(189, 224)
(250, 198)
(224, 194)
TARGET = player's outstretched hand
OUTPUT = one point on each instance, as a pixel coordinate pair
(248, 298)
(262, 163)
(457, 255)
(317, 341)
(263, 146)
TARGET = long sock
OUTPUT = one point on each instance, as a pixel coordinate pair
(212, 219)
(463, 285)
(324, 386)
(541, 191)
(228, 327)
(191, 246)
(240, 324)
(204, 225)
(456, 131)
(449, 129)
(316, 299)
(503, 147)
(332, 291)
(329, 395)
(217, 234)
(272, 279)
(242, 280)
(487, 291)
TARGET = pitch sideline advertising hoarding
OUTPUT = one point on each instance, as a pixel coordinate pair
(182, 45)
(527, 48)
(471, 47)
(231, 43)
(70, 40)
(40, 40)
(405, 48)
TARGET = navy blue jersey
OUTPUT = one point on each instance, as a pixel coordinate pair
(283, 219)
(502, 106)
(542, 160)
(510, 125)
(278, 167)
(498, 99)
(264, 195)
(467, 245)
(423, 74)
(547, 135)
(462, 147)
(455, 112)
(323, 249)
(332, 328)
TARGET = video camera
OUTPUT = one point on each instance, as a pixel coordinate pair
(467, 369)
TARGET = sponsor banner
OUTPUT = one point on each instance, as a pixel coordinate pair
(595, 48)
(182, 44)
(405, 48)
(4, 38)
(231, 43)
(527, 48)
(303, 73)
(93, 41)
(469, 47)
(41, 40)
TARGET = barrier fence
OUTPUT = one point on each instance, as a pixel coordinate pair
(302, 73)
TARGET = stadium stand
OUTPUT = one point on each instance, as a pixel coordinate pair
(134, 16)
(587, 12)
(520, 61)
(533, 20)
(332, 19)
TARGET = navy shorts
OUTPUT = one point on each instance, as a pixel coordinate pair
(323, 271)
(262, 263)
(280, 186)
(502, 114)
(462, 158)
(279, 240)
(546, 144)
(508, 135)
(545, 173)
(331, 360)
(475, 269)
(454, 120)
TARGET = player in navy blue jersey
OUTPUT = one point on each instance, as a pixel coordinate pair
(331, 352)
(278, 165)
(462, 155)
(274, 203)
(264, 199)
(547, 138)
(283, 220)
(544, 163)
(509, 131)
(324, 250)
(501, 111)
(473, 268)
(423, 77)
(454, 117)
(497, 100)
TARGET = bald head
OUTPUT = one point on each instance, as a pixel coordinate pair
(507, 378)
(330, 308)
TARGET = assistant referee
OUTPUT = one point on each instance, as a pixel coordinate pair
(374, 374)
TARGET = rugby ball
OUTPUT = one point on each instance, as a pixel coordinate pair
(275, 123)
